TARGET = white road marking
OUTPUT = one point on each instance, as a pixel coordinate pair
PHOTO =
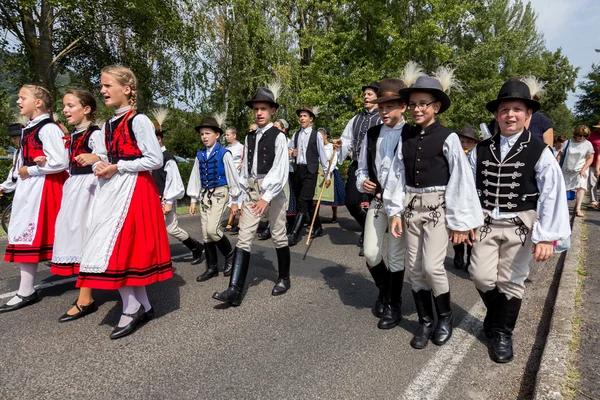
(72, 279)
(435, 375)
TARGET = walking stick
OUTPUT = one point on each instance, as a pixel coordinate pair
(320, 196)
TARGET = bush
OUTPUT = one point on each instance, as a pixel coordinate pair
(6, 199)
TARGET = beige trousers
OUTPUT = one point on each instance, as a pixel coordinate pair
(376, 224)
(211, 212)
(501, 254)
(275, 213)
(172, 224)
(426, 241)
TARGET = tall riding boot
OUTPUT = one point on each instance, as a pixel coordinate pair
(443, 329)
(459, 256)
(489, 299)
(196, 248)
(212, 262)
(505, 319)
(424, 307)
(266, 234)
(294, 236)
(283, 264)
(393, 301)
(380, 276)
(224, 247)
(317, 228)
(361, 240)
(469, 251)
(233, 294)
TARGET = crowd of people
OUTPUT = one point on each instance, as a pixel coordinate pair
(99, 202)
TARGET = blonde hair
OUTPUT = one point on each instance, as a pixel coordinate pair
(582, 130)
(125, 77)
(41, 93)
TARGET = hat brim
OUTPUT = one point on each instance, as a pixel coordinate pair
(475, 138)
(214, 128)
(250, 103)
(439, 95)
(306, 111)
(493, 105)
(383, 99)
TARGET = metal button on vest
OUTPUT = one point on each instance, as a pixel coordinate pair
(419, 148)
(418, 160)
(417, 172)
(417, 183)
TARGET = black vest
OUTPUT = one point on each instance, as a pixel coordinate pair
(160, 175)
(362, 123)
(265, 150)
(312, 151)
(372, 136)
(509, 184)
(424, 159)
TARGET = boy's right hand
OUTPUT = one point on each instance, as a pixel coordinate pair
(369, 187)
(337, 143)
(396, 227)
(192, 208)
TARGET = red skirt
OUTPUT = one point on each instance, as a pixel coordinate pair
(141, 255)
(64, 269)
(41, 247)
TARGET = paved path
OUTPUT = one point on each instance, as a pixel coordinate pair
(319, 341)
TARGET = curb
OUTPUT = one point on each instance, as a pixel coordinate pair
(552, 375)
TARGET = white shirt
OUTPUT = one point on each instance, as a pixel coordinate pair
(174, 189)
(576, 155)
(348, 133)
(274, 181)
(194, 188)
(303, 139)
(237, 151)
(552, 206)
(10, 184)
(329, 153)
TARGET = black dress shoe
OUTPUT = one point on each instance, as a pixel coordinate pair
(264, 235)
(361, 252)
(317, 232)
(82, 312)
(282, 286)
(26, 301)
(235, 230)
(148, 315)
(128, 329)
(334, 220)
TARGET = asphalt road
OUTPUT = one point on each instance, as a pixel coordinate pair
(318, 341)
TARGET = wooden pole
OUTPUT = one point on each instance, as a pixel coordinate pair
(320, 196)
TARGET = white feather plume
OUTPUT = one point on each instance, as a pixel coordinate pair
(316, 110)
(99, 122)
(536, 86)
(446, 77)
(276, 88)
(55, 116)
(411, 72)
(21, 119)
(220, 117)
(160, 115)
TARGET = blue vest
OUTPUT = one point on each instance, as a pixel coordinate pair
(212, 169)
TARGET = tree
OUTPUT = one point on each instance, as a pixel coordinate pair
(587, 108)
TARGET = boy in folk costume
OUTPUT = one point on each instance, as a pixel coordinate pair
(440, 197)
(14, 133)
(237, 151)
(264, 174)
(170, 189)
(38, 192)
(522, 192)
(376, 157)
(308, 149)
(213, 179)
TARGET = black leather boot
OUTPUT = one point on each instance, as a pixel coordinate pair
(507, 312)
(380, 276)
(224, 247)
(469, 251)
(212, 262)
(489, 299)
(283, 264)
(424, 307)
(459, 256)
(294, 236)
(443, 329)
(266, 234)
(393, 301)
(196, 248)
(233, 294)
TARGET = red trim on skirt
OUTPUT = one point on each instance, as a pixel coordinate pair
(41, 247)
(64, 269)
(141, 255)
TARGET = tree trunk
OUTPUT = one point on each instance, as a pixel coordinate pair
(45, 70)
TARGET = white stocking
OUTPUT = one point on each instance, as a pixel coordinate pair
(130, 305)
(142, 297)
(26, 287)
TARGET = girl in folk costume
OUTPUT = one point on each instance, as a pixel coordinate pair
(86, 147)
(339, 191)
(38, 192)
(126, 245)
(440, 201)
(213, 179)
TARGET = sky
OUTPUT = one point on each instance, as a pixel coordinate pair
(573, 26)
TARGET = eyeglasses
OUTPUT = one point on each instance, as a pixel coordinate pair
(420, 106)
(583, 136)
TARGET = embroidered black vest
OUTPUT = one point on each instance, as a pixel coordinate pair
(121, 143)
(509, 184)
(31, 144)
(265, 150)
(312, 151)
(80, 144)
(424, 159)
(160, 175)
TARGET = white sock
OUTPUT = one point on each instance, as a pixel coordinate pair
(26, 286)
(130, 305)
(142, 296)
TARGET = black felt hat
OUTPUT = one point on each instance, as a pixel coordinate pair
(209, 122)
(513, 90)
(372, 85)
(389, 90)
(15, 129)
(469, 132)
(428, 84)
(306, 109)
(263, 95)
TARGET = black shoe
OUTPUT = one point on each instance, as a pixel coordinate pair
(393, 301)
(224, 246)
(361, 239)
(26, 301)
(423, 303)
(283, 264)
(443, 329)
(196, 248)
(294, 236)
(380, 276)
(226, 229)
(317, 232)
(82, 312)
(148, 315)
(334, 220)
(361, 252)
(489, 299)
(212, 269)
(459, 258)
(233, 294)
(264, 235)
(128, 329)
(505, 318)
(235, 230)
